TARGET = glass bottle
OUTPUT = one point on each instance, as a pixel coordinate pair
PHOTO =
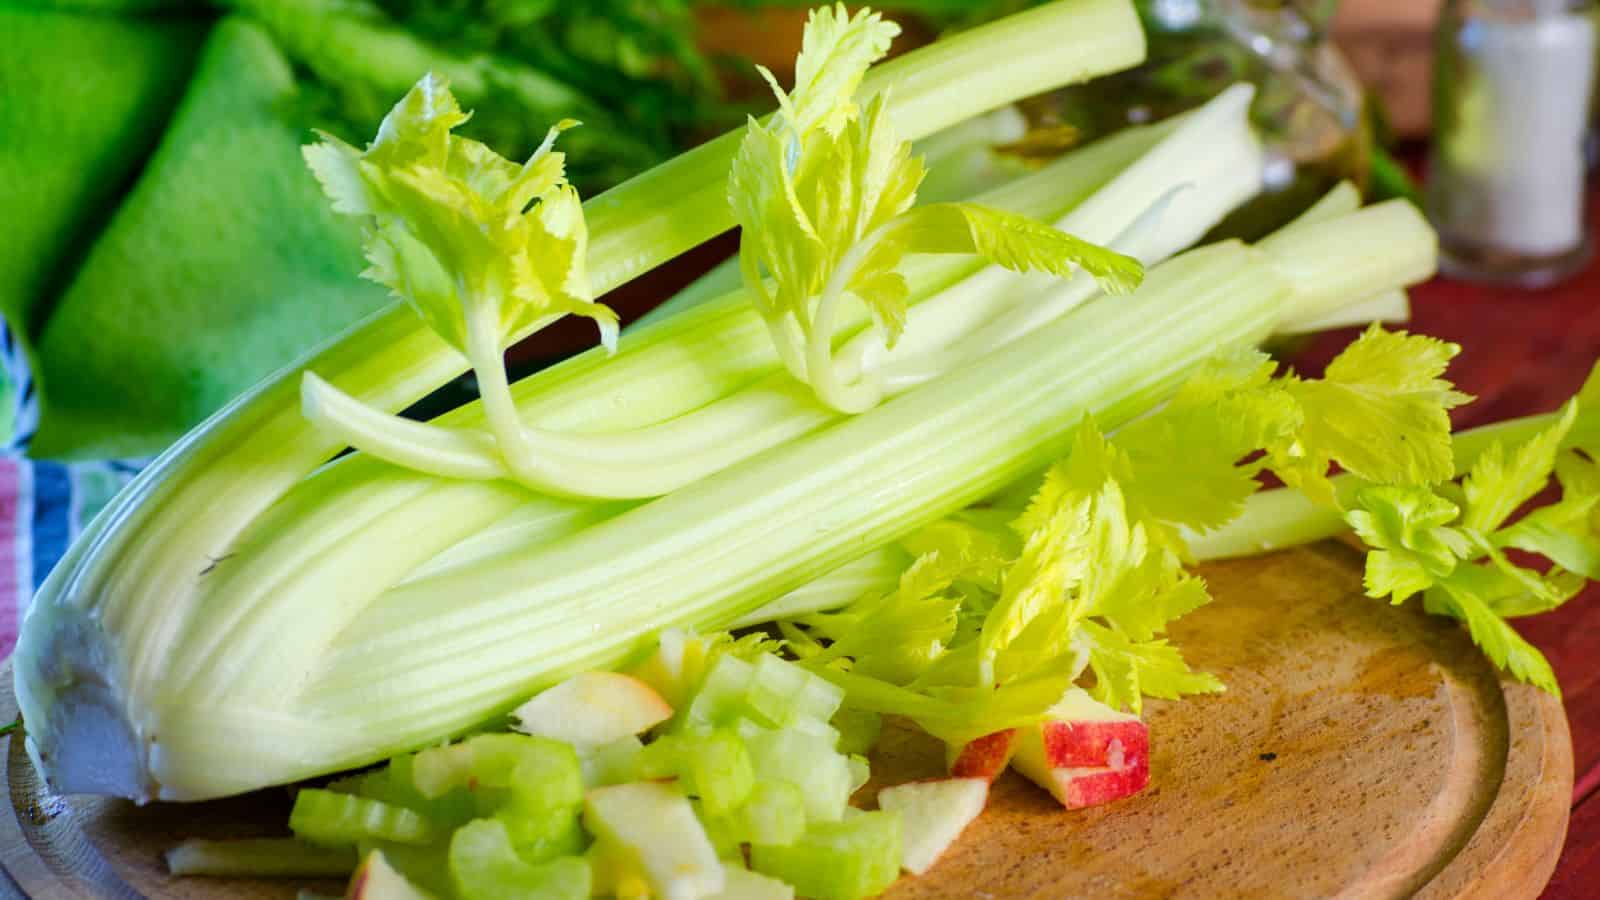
(1513, 81)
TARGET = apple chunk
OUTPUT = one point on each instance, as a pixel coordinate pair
(653, 828)
(932, 815)
(1085, 753)
(984, 757)
(593, 708)
(375, 879)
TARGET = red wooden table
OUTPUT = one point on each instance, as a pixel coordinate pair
(1525, 352)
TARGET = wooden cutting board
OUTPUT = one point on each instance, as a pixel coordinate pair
(1360, 751)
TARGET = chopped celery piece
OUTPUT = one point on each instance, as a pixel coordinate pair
(770, 692)
(537, 773)
(485, 866)
(775, 813)
(713, 766)
(783, 693)
(655, 828)
(544, 834)
(809, 763)
(613, 763)
(720, 699)
(378, 880)
(338, 820)
(396, 785)
(743, 884)
(258, 857)
(724, 832)
(846, 860)
(858, 729)
(427, 865)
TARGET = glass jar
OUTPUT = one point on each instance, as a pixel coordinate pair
(1309, 104)
(1513, 81)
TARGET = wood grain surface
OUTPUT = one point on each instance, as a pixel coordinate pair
(1360, 751)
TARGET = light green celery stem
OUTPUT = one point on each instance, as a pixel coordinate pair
(691, 360)
(1389, 306)
(448, 652)
(875, 572)
(1283, 517)
(139, 572)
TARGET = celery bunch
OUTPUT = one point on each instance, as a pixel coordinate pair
(245, 615)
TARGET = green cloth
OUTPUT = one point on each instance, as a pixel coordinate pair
(223, 264)
(83, 101)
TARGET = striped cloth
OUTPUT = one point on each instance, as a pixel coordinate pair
(43, 505)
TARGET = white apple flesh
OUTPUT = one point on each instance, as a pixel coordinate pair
(932, 815)
(593, 708)
(655, 829)
(375, 879)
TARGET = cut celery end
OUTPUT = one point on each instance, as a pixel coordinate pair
(259, 858)
(809, 763)
(613, 763)
(544, 835)
(713, 766)
(845, 860)
(427, 866)
(537, 773)
(330, 819)
(396, 785)
(485, 866)
(775, 813)
(771, 692)
(376, 878)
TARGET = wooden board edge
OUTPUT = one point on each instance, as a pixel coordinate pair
(1514, 851)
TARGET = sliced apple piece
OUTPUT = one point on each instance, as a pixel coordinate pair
(1081, 732)
(375, 879)
(1085, 753)
(593, 708)
(984, 757)
(932, 815)
(655, 828)
(743, 884)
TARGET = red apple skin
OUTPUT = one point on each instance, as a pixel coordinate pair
(984, 757)
(1082, 788)
(1081, 745)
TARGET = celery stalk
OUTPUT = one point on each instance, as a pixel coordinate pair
(92, 660)
(441, 654)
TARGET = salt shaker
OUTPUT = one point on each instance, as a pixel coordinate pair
(1512, 86)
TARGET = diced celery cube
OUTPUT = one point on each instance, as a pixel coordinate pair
(721, 698)
(485, 866)
(531, 775)
(809, 763)
(774, 814)
(545, 835)
(396, 784)
(726, 832)
(336, 820)
(845, 860)
(613, 763)
(427, 866)
(713, 766)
